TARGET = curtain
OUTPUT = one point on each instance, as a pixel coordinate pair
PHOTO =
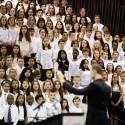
(112, 12)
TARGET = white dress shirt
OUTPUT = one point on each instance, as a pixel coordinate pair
(19, 69)
(21, 113)
(90, 40)
(5, 35)
(74, 95)
(74, 66)
(13, 33)
(30, 113)
(46, 58)
(42, 113)
(85, 78)
(100, 26)
(14, 114)
(52, 108)
(74, 109)
(70, 52)
(24, 45)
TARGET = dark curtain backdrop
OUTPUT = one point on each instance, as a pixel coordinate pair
(112, 12)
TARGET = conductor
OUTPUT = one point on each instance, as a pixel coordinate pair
(98, 96)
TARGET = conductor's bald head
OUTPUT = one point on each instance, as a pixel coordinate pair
(96, 72)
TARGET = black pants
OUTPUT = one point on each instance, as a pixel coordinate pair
(32, 123)
(8, 123)
(1, 122)
(21, 123)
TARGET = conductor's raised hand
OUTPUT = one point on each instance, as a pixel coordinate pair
(60, 76)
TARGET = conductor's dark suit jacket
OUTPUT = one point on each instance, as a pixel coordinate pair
(98, 99)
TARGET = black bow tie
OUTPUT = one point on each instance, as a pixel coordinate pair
(115, 61)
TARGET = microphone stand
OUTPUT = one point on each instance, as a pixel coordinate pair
(38, 107)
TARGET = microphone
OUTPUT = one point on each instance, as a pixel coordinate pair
(39, 105)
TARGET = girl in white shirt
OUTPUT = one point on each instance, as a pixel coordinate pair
(35, 89)
(51, 39)
(110, 71)
(25, 4)
(62, 63)
(21, 13)
(12, 12)
(12, 30)
(46, 89)
(74, 64)
(41, 25)
(59, 26)
(2, 74)
(4, 32)
(25, 87)
(49, 76)
(84, 73)
(64, 106)
(83, 14)
(45, 56)
(15, 54)
(14, 88)
(76, 29)
(58, 90)
(31, 23)
(22, 113)
(51, 10)
(25, 43)
(3, 62)
(49, 25)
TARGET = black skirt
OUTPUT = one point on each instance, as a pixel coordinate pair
(115, 98)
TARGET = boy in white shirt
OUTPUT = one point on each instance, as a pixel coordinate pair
(76, 105)
(10, 112)
(97, 23)
(68, 26)
(69, 9)
(115, 60)
(71, 38)
(41, 111)
(9, 61)
(58, 18)
(39, 14)
(56, 4)
(107, 36)
(35, 42)
(30, 112)
(105, 57)
(89, 38)
(52, 107)
(20, 65)
(76, 84)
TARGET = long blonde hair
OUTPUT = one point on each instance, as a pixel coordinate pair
(99, 49)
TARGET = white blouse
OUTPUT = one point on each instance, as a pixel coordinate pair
(24, 45)
(21, 113)
(74, 67)
(46, 58)
(85, 78)
(5, 35)
(13, 33)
